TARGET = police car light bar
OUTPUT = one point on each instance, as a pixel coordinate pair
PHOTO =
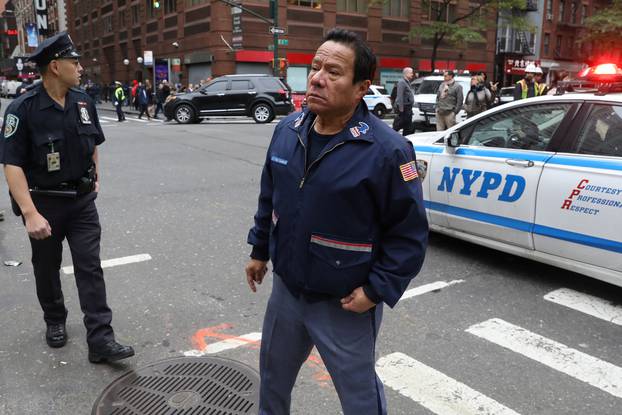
(601, 80)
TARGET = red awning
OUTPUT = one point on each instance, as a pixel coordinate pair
(253, 56)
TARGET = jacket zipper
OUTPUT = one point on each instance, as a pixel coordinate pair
(304, 177)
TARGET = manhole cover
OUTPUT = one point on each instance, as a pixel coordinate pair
(185, 385)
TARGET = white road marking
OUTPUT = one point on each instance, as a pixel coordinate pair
(427, 288)
(434, 390)
(558, 356)
(116, 262)
(227, 344)
(588, 304)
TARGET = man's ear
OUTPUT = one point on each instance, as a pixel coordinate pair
(363, 88)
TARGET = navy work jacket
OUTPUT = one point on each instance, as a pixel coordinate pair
(353, 218)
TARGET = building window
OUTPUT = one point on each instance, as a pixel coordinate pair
(397, 8)
(121, 19)
(352, 6)
(316, 4)
(135, 14)
(558, 46)
(549, 10)
(437, 11)
(150, 9)
(170, 6)
(573, 12)
(107, 22)
(583, 13)
(190, 3)
(547, 43)
(562, 4)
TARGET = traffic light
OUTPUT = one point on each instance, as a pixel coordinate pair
(273, 8)
(156, 4)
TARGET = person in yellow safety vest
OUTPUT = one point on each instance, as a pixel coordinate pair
(119, 98)
(527, 87)
(542, 87)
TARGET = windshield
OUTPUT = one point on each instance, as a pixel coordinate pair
(429, 87)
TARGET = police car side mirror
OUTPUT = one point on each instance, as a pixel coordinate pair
(454, 139)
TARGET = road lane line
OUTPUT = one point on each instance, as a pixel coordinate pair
(558, 356)
(588, 304)
(227, 344)
(432, 389)
(116, 262)
(427, 288)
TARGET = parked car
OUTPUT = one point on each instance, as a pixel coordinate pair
(540, 178)
(378, 100)
(424, 110)
(8, 89)
(261, 97)
(505, 95)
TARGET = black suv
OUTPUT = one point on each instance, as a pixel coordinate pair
(259, 96)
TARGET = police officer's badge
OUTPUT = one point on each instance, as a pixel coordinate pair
(84, 113)
(10, 125)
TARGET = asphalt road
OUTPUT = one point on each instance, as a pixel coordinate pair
(185, 196)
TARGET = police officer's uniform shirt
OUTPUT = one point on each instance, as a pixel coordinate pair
(36, 126)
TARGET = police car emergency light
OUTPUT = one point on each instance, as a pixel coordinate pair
(539, 177)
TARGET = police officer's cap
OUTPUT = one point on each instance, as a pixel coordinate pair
(56, 47)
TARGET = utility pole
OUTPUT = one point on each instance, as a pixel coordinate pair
(274, 9)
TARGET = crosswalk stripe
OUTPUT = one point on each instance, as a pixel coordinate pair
(432, 389)
(427, 288)
(588, 304)
(558, 356)
(227, 344)
(127, 119)
(115, 262)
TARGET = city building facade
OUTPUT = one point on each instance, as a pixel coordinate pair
(191, 40)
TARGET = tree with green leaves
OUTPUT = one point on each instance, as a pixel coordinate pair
(604, 28)
(446, 24)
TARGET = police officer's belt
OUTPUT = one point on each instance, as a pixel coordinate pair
(68, 189)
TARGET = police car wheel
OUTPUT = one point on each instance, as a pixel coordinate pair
(262, 113)
(184, 114)
(379, 110)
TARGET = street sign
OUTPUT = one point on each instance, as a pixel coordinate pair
(148, 57)
(283, 42)
(277, 30)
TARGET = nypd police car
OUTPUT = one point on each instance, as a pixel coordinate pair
(540, 178)
(378, 101)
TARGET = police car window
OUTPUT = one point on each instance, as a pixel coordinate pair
(241, 85)
(429, 87)
(369, 92)
(382, 91)
(602, 133)
(527, 128)
(216, 86)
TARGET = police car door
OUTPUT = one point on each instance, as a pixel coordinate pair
(579, 208)
(492, 178)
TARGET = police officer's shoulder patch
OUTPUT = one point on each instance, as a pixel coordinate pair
(11, 123)
(409, 171)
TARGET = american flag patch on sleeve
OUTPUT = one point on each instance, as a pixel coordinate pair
(409, 171)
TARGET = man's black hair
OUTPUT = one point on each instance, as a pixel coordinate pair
(364, 58)
(450, 73)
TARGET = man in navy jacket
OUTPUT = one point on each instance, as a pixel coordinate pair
(341, 216)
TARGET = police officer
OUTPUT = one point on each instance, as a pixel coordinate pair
(341, 216)
(48, 148)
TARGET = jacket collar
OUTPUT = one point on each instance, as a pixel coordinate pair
(45, 101)
(358, 127)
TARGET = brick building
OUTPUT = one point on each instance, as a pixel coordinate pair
(194, 39)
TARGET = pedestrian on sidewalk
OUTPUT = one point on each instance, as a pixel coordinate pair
(143, 101)
(119, 98)
(349, 241)
(404, 100)
(479, 98)
(54, 187)
(449, 101)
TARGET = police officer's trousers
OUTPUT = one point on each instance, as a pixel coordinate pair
(345, 341)
(78, 221)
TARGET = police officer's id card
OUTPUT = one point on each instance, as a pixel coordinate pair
(53, 161)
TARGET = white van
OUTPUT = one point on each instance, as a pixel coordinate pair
(8, 88)
(424, 110)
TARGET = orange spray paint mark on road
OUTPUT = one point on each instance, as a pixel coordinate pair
(198, 339)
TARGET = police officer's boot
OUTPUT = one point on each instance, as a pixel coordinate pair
(109, 352)
(56, 335)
